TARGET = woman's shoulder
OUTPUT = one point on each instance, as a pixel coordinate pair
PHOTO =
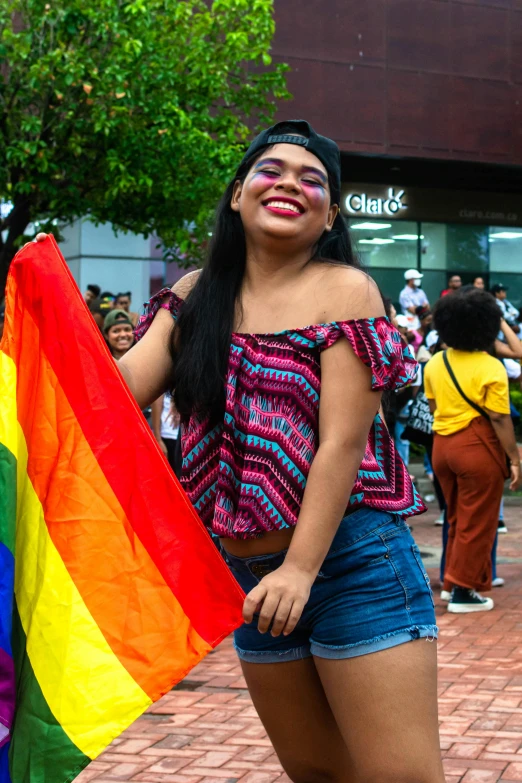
(345, 293)
(184, 286)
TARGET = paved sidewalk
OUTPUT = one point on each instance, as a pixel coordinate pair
(207, 731)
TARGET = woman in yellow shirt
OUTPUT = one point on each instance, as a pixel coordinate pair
(473, 433)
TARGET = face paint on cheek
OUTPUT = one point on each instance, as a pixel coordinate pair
(315, 194)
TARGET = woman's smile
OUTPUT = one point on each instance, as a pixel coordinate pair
(287, 207)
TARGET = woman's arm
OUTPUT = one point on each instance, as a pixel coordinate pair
(503, 426)
(147, 367)
(512, 348)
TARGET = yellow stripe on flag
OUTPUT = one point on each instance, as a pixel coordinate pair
(87, 689)
(8, 403)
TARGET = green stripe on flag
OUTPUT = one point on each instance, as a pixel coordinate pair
(40, 749)
(7, 497)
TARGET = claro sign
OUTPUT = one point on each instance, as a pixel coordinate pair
(371, 200)
(363, 203)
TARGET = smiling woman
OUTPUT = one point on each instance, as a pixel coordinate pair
(277, 353)
(118, 333)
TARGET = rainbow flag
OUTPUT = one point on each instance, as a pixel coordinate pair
(111, 590)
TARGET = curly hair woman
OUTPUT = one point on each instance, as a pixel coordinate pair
(469, 395)
(278, 353)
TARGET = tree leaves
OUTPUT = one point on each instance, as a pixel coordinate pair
(134, 112)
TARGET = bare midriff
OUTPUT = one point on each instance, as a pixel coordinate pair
(269, 543)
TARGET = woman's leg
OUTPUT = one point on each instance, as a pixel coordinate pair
(385, 705)
(501, 524)
(445, 535)
(170, 443)
(291, 703)
(494, 559)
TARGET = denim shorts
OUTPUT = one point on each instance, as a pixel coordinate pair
(372, 593)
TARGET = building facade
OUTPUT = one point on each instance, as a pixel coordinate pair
(424, 98)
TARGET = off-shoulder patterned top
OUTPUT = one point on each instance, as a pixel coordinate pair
(247, 475)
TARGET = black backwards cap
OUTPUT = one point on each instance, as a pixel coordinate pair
(323, 148)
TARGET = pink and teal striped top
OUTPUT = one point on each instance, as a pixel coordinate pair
(247, 475)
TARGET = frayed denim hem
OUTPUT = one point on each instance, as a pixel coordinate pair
(273, 656)
(385, 642)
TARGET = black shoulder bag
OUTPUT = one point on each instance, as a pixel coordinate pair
(474, 405)
(420, 420)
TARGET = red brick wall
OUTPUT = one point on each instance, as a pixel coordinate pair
(426, 78)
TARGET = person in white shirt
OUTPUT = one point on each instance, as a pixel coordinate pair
(165, 426)
(509, 311)
(412, 296)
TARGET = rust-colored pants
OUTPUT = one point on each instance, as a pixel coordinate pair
(471, 468)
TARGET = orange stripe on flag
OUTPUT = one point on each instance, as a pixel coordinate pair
(122, 588)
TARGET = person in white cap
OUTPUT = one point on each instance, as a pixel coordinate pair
(412, 296)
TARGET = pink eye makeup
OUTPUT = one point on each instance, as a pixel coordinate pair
(319, 174)
(263, 170)
(271, 175)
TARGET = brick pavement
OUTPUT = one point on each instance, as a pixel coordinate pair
(207, 731)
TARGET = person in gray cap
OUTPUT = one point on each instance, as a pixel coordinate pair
(117, 330)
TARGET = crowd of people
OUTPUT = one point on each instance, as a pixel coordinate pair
(459, 410)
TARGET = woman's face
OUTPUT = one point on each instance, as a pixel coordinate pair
(479, 283)
(120, 337)
(285, 196)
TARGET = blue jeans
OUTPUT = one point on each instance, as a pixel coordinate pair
(372, 593)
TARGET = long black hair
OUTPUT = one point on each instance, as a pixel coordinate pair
(200, 345)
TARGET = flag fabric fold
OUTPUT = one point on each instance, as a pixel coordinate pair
(111, 589)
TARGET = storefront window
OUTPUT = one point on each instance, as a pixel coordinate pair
(386, 249)
(454, 248)
(389, 245)
(505, 250)
(505, 260)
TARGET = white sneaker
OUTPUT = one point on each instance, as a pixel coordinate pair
(502, 526)
(498, 582)
(445, 595)
(464, 600)
(439, 521)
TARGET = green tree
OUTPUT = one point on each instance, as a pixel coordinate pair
(129, 111)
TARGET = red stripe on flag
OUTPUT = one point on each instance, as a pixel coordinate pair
(107, 413)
